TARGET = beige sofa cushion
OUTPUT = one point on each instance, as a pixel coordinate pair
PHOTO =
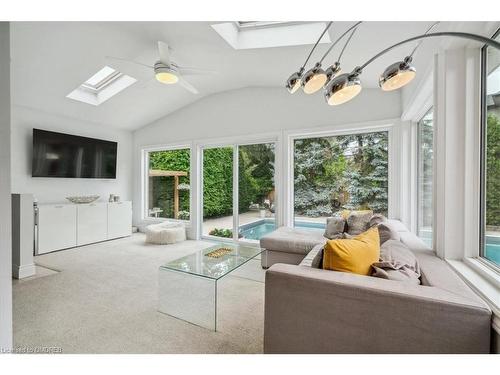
(292, 240)
(314, 258)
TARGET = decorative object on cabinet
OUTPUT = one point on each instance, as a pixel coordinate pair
(82, 199)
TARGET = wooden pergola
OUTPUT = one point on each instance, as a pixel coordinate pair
(175, 175)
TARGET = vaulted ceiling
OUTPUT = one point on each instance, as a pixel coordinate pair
(50, 59)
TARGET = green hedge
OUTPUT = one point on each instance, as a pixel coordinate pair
(217, 182)
(163, 187)
(255, 178)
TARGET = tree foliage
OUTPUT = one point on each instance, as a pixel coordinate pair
(493, 171)
(341, 172)
(256, 178)
(330, 173)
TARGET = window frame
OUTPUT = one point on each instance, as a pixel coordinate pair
(356, 128)
(418, 171)
(145, 181)
(482, 149)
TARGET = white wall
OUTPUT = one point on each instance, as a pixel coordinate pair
(5, 200)
(56, 189)
(253, 111)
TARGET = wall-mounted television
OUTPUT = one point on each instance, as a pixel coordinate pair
(71, 156)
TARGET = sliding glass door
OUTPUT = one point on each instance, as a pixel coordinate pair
(239, 197)
(218, 192)
(256, 190)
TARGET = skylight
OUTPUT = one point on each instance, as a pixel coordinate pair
(106, 83)
(262, 24)
(269, 34)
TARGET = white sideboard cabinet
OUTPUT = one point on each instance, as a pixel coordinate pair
(56, 227)
(119, 219)
(91, 223)
(62, 226)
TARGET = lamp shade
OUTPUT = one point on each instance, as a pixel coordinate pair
(332, 71)
(314, 79)
(342, 88)
(397, 75)
(293, 82)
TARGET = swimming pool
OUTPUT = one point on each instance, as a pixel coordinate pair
(492, 249)
(257, 229)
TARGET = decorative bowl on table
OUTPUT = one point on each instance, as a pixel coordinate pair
(83, 199)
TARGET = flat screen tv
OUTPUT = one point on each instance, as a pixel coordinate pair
(71, 156)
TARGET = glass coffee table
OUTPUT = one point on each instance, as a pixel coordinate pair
(187, 287)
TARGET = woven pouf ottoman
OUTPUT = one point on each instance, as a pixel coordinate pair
(165, 233)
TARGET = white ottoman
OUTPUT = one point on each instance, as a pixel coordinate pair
(165, 233)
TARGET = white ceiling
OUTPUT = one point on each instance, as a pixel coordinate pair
(50, 59)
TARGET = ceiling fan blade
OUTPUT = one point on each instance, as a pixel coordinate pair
(164, 52)
(194, 71)
(187, 85)
(131, 68)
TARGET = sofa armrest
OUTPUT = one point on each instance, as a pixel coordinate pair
(311, 310)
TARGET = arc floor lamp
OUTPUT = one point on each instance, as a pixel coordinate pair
(340, 88)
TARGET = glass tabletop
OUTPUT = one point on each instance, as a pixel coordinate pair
(214, 262)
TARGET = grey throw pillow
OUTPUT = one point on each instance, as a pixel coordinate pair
(358, 222)
(388, 231)
(334, 227)
(397, 262)
(376, 219)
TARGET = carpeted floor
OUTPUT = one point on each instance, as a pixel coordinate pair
(104, 300)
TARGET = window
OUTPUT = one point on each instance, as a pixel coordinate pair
(490, 181)
(425, 177)
(106, 83)
(168, 189)
(339, 172)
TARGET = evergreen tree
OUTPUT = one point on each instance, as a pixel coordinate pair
(493, 171)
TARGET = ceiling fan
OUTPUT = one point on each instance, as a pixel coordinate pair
(164, 70)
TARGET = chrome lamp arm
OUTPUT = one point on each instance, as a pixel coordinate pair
(479, 38)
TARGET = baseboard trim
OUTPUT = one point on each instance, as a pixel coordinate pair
(20, 272)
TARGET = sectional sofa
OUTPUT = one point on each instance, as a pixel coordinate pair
(311, 310)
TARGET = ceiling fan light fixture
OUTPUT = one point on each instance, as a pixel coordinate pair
(165, 74)
(293, 82)
(342, 88)
(314, 79)
(397, 75)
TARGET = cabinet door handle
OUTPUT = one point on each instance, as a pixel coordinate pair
(58, 206)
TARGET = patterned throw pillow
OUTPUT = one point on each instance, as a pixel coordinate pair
(388, 231)
(358, 222)
(335, 226)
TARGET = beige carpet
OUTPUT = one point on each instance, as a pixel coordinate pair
(104, 300)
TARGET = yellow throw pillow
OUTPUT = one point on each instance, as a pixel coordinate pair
(355, 255)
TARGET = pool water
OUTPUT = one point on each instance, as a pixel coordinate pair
(258, 229)
(492, 249)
